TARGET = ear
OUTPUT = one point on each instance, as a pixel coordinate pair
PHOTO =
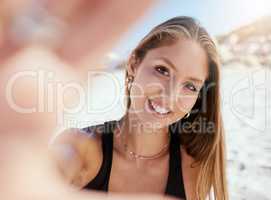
(132, 65)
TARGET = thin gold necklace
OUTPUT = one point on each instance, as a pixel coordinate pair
(144, 157)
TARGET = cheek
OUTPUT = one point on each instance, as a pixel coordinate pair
(185, 102)
(147, 83)
(137, 92)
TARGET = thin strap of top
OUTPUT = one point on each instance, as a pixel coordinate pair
(101, 181)
(175, 185)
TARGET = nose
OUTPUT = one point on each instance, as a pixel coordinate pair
(169, 96)
(174, 94)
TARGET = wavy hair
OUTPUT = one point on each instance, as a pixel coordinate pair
(207, 146)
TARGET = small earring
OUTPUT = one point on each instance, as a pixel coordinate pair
(130, 80)
(187, 115)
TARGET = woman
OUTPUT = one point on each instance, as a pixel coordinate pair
(171, 138)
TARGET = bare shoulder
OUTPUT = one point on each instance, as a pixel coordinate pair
(80, 139)
(78, 154)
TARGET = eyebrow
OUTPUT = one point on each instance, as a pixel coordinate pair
(173, 66)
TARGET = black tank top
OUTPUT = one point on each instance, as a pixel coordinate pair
(175, 185)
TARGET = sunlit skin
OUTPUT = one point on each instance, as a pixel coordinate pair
(173, 75)
(81, 37)
(183, 63)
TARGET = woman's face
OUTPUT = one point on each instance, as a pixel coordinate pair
(167, 82)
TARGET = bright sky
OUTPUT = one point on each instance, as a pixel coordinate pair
(218, 16)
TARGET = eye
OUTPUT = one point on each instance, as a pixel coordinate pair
(191, 87)
(162, 70)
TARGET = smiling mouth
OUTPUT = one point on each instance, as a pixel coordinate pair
(158, 109)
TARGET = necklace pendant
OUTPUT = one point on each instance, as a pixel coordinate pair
(133, 155)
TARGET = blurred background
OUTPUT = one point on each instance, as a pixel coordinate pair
(61, 67)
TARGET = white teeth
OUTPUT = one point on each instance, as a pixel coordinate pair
(159, 109)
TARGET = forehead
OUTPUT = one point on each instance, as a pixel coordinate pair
(188, 57)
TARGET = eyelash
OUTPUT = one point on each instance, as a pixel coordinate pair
(159, 67)
(194, 89)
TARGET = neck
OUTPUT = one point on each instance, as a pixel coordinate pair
(143, 138)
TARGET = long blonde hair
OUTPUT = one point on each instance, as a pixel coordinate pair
(206, 147)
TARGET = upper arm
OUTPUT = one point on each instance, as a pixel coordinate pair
(69, 151)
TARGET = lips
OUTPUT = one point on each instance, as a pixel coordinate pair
(155, 106)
